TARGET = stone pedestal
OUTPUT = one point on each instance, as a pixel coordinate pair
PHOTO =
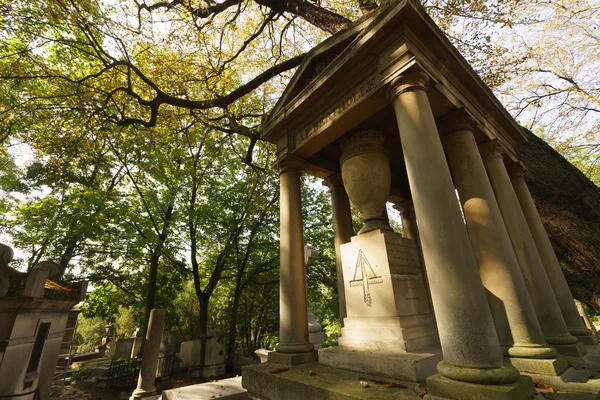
(410, 229)
(386, 300)
(390, 330)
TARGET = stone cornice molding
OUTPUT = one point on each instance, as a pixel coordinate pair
(404, 206)
(491, 149)
(334, 180)
(456, 121)
(288, 163)
(408, 82)
(516, 170)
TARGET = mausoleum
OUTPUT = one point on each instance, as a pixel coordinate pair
(471, 299)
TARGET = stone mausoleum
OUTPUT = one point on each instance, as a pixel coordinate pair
(471, 299)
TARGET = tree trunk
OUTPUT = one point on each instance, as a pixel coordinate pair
(233, 325)
(150, 293)
(203, 329)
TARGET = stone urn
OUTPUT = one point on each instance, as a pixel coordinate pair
(366, 176)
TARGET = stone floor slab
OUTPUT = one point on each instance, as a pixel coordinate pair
(297, 383)
(226, 389)
(414, 367)
(573, 380)
(440, 387)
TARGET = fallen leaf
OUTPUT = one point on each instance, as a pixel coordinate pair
(364, 384)
(278, 370)
(213, 397)
(313, 373)
(222, 388)
(544, 386)
(179, 381)
(424, 393)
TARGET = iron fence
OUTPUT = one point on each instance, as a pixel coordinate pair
(123, 374)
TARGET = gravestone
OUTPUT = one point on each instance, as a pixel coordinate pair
(215, 355)
(120, 349)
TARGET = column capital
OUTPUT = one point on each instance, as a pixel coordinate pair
(334, 180)
(491, 149)
(289, 162)
(408, 82)
(403, 206)
(516, 169)
(455, 121)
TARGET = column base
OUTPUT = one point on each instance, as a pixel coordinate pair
(589, 340)
(293, 358)
(552, 367)
(295, 348)
(413, 367)
(440, 387)
(571, 350)
(142, 393)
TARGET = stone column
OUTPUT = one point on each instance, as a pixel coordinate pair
(342, 230)
(516, 323)
(293, 314)
(156, 325)
(555, 274)
(468, 338)
(545, 304)
(585, 317)
(411, 231)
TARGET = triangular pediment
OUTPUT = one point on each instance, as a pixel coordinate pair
(320, 57)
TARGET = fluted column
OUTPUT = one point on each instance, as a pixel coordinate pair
(545, 304)
(514, 316)
(342, 230)
(293, 315)
(468, 338)
(411, 231)
(555, 274)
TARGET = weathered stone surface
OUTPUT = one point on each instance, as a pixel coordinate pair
(214, 359)
(414, 367)
(553, 366)
(440, 387)
(386, 301)
(120, 348)
(36, 282)
(328, 384)
(292, 359)
(577, 380)
(226, 389)
(571, 350)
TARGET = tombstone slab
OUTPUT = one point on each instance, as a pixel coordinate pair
(228, 389)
